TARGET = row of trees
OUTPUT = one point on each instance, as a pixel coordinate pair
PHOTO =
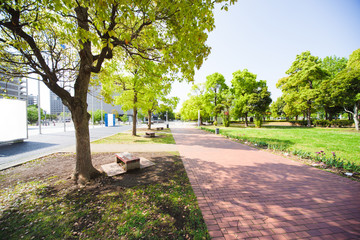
(330, 85)
(246, 96)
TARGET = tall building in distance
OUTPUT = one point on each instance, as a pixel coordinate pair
(56, 105)
(13, 88)
(95, 102)
(32, 100)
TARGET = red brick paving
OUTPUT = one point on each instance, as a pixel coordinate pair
(245, 193)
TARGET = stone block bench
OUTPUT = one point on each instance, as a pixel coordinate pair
(150, 134)
(128, 161)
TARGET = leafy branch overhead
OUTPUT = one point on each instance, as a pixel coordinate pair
(66, 41)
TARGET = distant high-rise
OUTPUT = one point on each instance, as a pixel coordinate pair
(32, 100)
(13, 88)
(56, 105)
(95, 102)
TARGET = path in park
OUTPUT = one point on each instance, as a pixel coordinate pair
(247, 193)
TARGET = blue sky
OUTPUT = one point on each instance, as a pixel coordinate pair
(265, 37)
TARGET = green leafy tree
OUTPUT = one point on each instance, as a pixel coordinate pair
(197, 101)
(259, 101)
(124, 118)
(34, 34)
(33, 113)
(301, 86)
(333, 65)
(243, 85)
(225, 105)
(98, 115)
(277, 107)
(346, 87)
(215, 84)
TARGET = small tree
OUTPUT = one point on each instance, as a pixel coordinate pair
(124, 118)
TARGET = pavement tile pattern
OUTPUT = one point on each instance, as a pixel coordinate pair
(245, 193)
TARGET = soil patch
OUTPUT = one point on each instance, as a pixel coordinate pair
(60, 166)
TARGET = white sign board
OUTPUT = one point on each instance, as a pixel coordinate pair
(13, 120)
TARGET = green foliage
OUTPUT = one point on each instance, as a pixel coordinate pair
(124, 118)
(300, 86)
(197, 101)
(250, 95)
(32, 114)
(346, 86)
(74, 38)
(333, 123)
(97, 115)
(277, 107)
(215, 85)
(258, 121)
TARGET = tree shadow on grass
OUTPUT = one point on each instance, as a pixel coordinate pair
(155, 202)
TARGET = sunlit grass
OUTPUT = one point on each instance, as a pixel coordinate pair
(343, 141)
(162, 136)
(158, 210)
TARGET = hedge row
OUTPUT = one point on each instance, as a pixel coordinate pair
(333, 123)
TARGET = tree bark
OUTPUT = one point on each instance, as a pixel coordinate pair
(149, 119)
(308, 116)
(84, 170)
(246, 120)
(134, 121)
(355, 114)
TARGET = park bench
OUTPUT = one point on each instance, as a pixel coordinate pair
(150, 134)
(128, 161)
(159, 128)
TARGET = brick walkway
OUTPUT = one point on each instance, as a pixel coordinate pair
(245, 193)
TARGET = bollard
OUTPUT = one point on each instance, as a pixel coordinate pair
(217, 130)
(167, 125)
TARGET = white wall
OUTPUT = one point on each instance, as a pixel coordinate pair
(12, 120)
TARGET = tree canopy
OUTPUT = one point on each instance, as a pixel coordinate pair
(304, 75)
(66, 41)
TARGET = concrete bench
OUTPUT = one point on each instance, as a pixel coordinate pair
(128, 162)
(150, 134)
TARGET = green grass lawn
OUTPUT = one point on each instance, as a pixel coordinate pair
(162, 136)
(344, 142)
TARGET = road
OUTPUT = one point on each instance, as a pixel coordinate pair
(52, 139)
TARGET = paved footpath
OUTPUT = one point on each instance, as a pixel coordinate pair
(245, 193)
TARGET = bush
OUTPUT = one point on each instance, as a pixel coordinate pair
(299, 122)
(333, 123)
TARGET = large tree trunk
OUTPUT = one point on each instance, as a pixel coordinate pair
(246, 120)
(356, 116)
(134, 121)
(84, 170)
(149, 119)
(308, 116)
